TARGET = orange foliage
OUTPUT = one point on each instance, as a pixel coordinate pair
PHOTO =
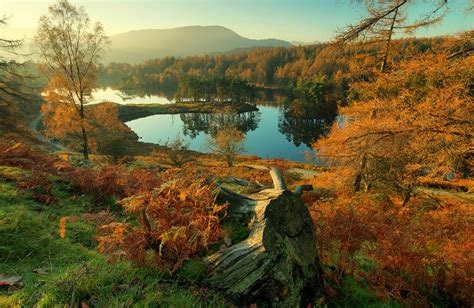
(176, 212)
(62, 121)
(413, 254)
(407, 123)
(38, 180)
(176, 220)
(20, 155)
(101, 182)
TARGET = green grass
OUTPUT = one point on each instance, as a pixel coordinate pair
(74, 270)
(11, 172)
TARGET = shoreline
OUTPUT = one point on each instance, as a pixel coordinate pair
(132, 112)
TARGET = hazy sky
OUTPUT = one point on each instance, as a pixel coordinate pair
(293, 20)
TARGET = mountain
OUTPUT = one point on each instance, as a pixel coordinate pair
(137, 46)
(300, 43)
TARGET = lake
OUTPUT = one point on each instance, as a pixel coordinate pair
(111, 95)
(269, 132)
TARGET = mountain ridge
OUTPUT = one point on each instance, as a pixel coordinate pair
(139, 45)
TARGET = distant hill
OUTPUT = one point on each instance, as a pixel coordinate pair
(137, 46)
(300, 43)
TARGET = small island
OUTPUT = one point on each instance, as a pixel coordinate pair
(136, 111)
(209, 94)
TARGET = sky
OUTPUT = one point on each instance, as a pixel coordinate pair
(292, 20)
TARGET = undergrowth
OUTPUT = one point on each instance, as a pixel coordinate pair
(374, 252)
(69, 270)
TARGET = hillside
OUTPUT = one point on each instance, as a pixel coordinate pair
(137, 46)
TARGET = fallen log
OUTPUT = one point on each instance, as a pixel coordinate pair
(278, 263)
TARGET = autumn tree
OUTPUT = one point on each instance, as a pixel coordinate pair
(349, 63)
(106, 133)
(178, 152)
(114, 144)
(385, 19)
(414, 122)
(12, 82)
(212, 88)
(70, 47)
(227, 141)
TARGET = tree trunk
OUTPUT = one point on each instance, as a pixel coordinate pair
(85, 146)
(407, 196)
(383, 67)
(360, 172)
(278, 263)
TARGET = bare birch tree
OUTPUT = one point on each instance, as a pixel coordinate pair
(71, 47)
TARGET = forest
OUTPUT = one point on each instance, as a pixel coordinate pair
(211, 89)
(93, 214)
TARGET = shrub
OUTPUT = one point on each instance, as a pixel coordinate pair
(227, 141)
(414, 255)
(178, 152)
(175, 221)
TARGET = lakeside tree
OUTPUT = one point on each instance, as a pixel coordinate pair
(311, 98)
(417, 122)
(178, 152)
(12, 83)
(227, 141)
(116, 142)
(385, 19)
(70, 47)
(352, 63)
(215, 89)
(106, 133)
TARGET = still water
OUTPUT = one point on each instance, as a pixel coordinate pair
(116, 96)
(270, 133)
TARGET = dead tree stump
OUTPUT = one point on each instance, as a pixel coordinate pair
(278, 263)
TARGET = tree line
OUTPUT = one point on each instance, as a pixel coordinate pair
(215, 89)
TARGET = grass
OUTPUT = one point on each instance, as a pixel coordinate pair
(70, 271)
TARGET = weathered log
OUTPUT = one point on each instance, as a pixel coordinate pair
(241, 182)
(278, 263)
(299, 189)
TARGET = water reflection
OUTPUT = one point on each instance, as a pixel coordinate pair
(129, 97)
(195, 123)
(303, 131)
(279, 130)
(269, 134)
(156, 92)
(303, 123)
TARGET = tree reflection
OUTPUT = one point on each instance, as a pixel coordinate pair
(195, 123)
(147, 91)
(306, 128)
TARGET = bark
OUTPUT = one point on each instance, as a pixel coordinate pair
(407, 196)
(85, 146)
(360, 172)
(389, 40)
(278, 263)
